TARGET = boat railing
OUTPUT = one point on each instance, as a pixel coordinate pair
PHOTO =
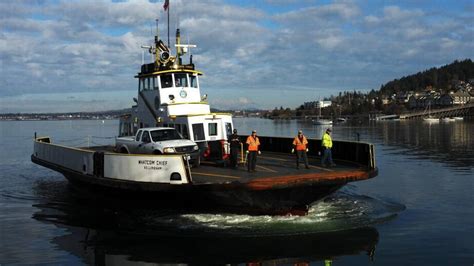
(169, 169)
(353, 152)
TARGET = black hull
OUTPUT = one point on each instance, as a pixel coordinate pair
(232, 197)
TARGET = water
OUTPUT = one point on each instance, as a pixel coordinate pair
(418, 211)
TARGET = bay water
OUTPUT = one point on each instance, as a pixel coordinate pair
(417, 211)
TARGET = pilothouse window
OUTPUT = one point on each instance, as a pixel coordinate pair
(166, 81)
(145, 84)
(155, 83)
(181, 80)
(148, 84)
(193, 81)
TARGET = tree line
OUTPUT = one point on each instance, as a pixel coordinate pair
(357, 102)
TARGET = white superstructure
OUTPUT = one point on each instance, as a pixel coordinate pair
(169, 95)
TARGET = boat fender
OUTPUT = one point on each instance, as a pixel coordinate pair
(84, 164)
(98, 161)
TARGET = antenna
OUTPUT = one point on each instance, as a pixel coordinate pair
(185, 47)
(150, 49)
(157, 29)
(190, 54)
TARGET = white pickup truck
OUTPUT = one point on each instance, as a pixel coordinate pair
(159, 140)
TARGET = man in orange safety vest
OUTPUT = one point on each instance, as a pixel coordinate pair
(253, 148)
(300, 144)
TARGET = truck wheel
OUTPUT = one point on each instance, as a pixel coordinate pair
(197, 163)
(157, 152)
(123, 150)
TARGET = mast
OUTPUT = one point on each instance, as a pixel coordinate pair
(168, 10)
(166, 7)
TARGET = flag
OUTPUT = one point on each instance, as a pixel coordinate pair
(166, 4)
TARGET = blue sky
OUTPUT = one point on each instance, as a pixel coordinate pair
(68, 55)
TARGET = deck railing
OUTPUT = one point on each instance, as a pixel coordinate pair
(357, 152)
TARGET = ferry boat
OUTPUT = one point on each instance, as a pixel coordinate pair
(169, 96)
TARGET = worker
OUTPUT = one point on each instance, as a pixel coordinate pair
(235, 143)
(300, 145)
(327, 146)
(252, 149)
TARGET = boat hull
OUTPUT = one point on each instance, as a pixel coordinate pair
(236, 197)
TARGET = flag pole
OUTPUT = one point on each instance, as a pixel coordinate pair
(168, 10)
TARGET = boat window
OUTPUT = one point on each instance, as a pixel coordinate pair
(145, 83)
(166, 81)
(228, 128)
(139, 135)
(146, 137)
(155, 83)
(165, 134)
(198, 132)
(126, 130)
(193, 81)
(212, 129)
(141, 84)
(181, 80)
(185, 132)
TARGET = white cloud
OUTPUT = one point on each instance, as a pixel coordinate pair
(77, 46)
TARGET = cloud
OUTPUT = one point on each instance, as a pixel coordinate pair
(246, 51)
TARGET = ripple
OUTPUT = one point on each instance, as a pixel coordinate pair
(341, 211)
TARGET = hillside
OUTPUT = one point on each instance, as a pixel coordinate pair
(440, 78)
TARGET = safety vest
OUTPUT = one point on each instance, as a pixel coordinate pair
(300, 144)
(327, 141)
(253, 143)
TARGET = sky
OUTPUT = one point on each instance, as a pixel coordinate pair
(66, 55)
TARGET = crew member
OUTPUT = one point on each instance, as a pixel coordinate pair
(327, 145)
(300, 145)
(253, 144)
(235, 143)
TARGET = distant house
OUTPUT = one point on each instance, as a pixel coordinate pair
(316, 104)
(323, 104)
(404, 97)
(461, 97)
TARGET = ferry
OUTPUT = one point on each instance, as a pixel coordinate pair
(168, 95)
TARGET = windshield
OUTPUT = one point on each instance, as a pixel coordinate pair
(165, 134)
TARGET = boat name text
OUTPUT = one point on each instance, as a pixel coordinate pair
(152, 162)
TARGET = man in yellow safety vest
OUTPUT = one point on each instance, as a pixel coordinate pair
(327, 145)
